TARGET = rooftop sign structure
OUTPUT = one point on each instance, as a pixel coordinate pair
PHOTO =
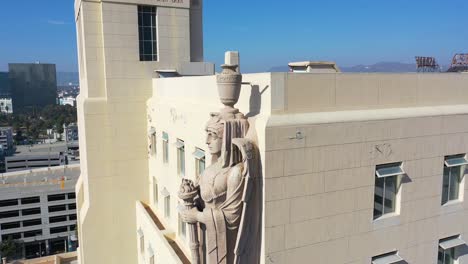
(426, 64)
(459, 63)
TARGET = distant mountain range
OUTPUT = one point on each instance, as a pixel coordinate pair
(377, 67)
(65, 78)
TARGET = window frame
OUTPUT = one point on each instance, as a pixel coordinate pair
(182, 226)
(200, 158)
(155, 191)
(387, 174)
(447, 196)
(167, 206)
(181, 161)
(165, 139)
(153, 141)
(142, 11)
(456, 241)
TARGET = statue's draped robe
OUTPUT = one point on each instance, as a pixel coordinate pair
(233, 229)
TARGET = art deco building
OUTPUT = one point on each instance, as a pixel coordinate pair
(120, 45)
(328, 168)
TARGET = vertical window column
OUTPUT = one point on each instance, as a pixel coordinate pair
(155, 191)
(147, 33)
(180, 157)
(165, 138)
(199, 156)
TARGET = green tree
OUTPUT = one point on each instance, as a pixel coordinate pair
(8, 248)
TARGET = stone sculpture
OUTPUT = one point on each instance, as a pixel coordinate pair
(228, 209)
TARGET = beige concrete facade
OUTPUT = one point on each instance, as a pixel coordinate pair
(319, 184)
(320, 138)
(115, 85)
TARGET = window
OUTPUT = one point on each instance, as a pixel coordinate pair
(387, 181)
(454, 169)
(10, 225)
(57, 208)
(180, 157)
(165, 138)
(147, 33)
(31, 211)
(11, 202)
(199, 161)
(448, 249)
(72, 217)
(388, 258)
(32, 222)
(12, 236)
(56, 197)
(153, 141)
(57, 219)
(71, 206)
(182, 227)
(142, 240)
(167, 206)
(150, 255)
(9, 214)
(33, 233)
(30, 200)
(71, 196)
(155, 191)
(60, 229)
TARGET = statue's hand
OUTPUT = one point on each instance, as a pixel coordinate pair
(190, 216)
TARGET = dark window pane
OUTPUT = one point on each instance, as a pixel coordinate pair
(445, 185)
(71, 206)
(11, 202)
(56, 197)
(31, 211)
(147, 33)
(32, 222)
(12, 225)
(57, 208)
(30, 200)
(60, 229)
(57, 219)
(146, 20)
(71, 196)
(9, 214)
(390, 194)
(142, 48)
(378, 197)
(11, 236)
(454, 183)
(33, 233)
(72, 217)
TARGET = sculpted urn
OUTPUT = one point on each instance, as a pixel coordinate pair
(229, 85)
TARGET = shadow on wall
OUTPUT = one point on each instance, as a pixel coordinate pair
(255, 101)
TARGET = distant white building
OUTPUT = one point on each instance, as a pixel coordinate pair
(6, 105)
(67, 101)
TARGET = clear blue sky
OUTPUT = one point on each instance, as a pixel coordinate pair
(267, 33)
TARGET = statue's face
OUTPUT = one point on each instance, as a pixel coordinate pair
(214, 141)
